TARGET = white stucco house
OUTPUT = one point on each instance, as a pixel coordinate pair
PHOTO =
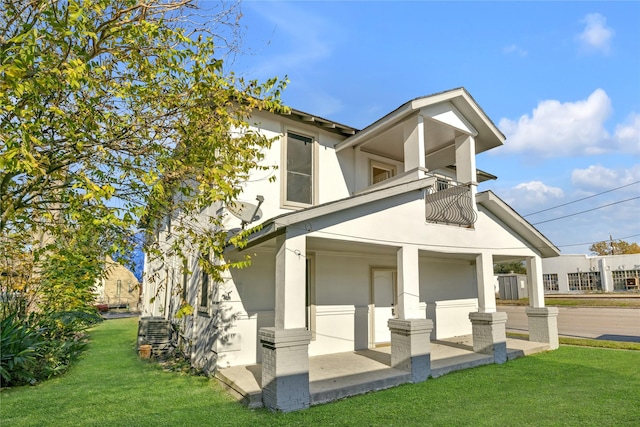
(369, 237)
(584, 273)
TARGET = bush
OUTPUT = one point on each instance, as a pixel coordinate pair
(43, 347)
(20, 348)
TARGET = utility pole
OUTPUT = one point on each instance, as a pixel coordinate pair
(613, 248)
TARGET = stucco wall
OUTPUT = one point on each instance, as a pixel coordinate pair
(605, 265)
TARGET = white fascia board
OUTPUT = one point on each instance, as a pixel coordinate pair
(410, 107)
(511, 218)
(351, 202)
(277, 225)
(462, 93)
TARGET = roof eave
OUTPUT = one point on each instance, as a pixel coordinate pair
(505, 213)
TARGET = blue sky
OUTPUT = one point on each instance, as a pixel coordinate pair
(560, 79)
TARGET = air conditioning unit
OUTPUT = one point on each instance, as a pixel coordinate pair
(155, 331)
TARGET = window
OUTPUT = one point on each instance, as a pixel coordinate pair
(381, 171)
(310, 289)
(588, 281)
(185, 279)
(204, 291)
(118, 288)
(299, 177)
(550, 282)
(620, 278)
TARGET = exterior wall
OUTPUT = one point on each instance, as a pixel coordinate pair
(226, 332)
(449, 289)
(606, 266)
(342, 282)
(127, 293)
(334, 176)
(363, 164)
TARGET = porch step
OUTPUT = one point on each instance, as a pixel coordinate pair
(245, 392)
(327, 390)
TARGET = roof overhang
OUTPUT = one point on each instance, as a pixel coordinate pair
(277, 225)
(465, 116)
(517, 223)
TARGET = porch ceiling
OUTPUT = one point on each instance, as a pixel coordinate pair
(390, 143)
(321, 244)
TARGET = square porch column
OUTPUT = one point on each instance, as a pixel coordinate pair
(285, 347)
(414, 150)
(285, 368)
(489, 334)
(488, 326)
(411, 347)
(543, 325)
(543, 321)
(410, 334)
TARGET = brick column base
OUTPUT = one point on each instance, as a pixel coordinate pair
(285, 368)
(489, 335)
(411, 346)
(543, 325)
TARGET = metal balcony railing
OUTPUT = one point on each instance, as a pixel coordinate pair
(450, 204)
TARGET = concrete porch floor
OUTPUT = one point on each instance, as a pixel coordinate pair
(339, 375)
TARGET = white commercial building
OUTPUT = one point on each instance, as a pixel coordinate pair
(583, 273)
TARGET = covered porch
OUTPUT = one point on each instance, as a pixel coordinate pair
(324, 257)
(335, 376)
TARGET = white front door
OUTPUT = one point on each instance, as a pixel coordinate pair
(384, 300)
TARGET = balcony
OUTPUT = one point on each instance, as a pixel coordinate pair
(450, 203)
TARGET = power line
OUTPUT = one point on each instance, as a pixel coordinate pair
(579, 200)
(588, 210)
(591, 243)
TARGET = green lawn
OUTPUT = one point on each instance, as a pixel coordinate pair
(111, 387)
(578, 302)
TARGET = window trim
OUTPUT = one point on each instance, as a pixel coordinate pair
(381, 165)
(204, 309)
(314, 169)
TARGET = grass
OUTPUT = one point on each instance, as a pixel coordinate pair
(577, 302)
(587, 342)
(110, 386)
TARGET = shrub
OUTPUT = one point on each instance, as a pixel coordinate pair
(43, 346)
(20, 348)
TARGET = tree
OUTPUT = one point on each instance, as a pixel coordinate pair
(613, 247)
(113, 111)
(510, 267)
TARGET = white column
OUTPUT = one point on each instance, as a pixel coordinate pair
(486, 288)
(605, 275)
(534, 281)
(408, 283)
(414, 153)
(290, 281)
(466, 159)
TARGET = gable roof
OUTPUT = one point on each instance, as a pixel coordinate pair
(512, 219)
(488, 135)
(276, 225)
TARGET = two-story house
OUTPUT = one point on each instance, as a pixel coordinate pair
(369, 237)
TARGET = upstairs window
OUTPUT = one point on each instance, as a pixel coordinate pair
(299, 172)
(381, 172)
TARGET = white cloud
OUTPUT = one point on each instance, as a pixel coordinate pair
(627, 135)
(531, 194)
(557, 129)
(514, 49)
(596, 36)
(598, 177)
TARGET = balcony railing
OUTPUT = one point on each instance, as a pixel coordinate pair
(450, 204)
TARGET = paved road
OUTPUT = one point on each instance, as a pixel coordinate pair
(617, 324)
